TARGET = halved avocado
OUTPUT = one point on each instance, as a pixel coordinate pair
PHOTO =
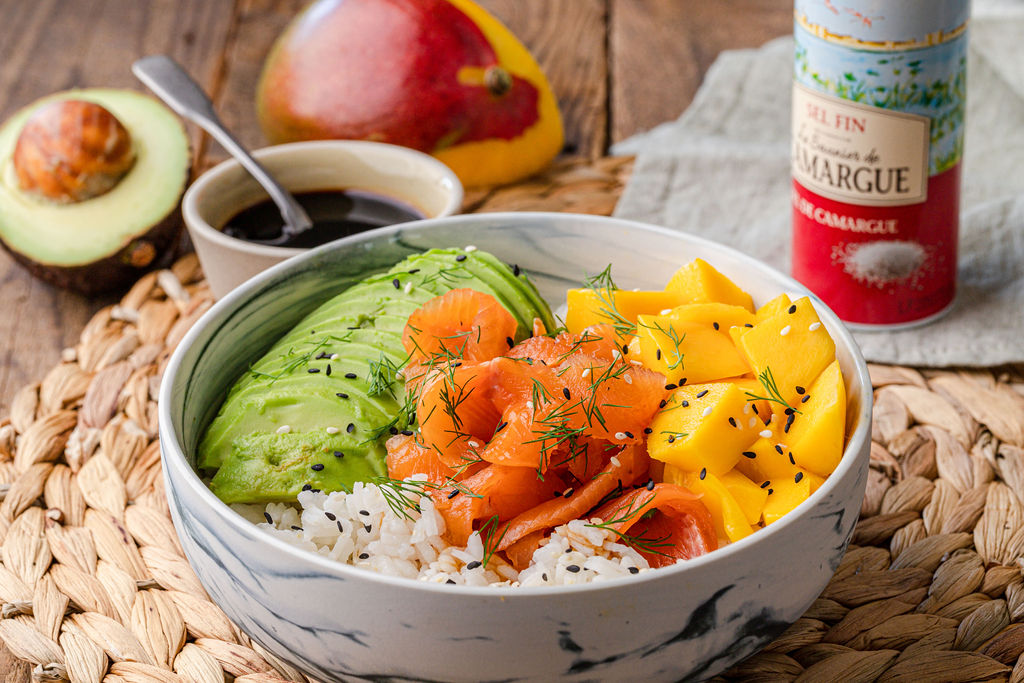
(107, 241)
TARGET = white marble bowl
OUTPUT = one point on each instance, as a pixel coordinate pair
(338, 622)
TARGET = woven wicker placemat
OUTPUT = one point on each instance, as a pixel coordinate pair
(94, 587)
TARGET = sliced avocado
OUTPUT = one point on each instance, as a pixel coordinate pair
(272, 426)
(107, 241)
(522, 284)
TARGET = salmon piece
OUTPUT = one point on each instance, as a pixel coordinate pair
(521, 552)
(515, 443)
(518, 381)
(626, 467)
(679, 529)
(455, 411)
(599, 341)
(582, 460)
(408, 456)
(461, 323)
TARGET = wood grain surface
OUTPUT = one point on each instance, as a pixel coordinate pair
(617, 67)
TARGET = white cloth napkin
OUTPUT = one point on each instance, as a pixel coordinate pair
(722, 171)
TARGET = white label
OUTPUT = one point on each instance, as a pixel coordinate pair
(859, 154)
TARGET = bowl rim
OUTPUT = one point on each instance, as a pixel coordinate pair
(172, 454)
(194, 221)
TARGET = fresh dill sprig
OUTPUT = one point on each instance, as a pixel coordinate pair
(676, 341)
(382, 376)
(627, 513)
(490, 537)
(403, 495)
(603, 286)
(768, 382)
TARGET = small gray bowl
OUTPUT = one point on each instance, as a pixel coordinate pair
(337, 622)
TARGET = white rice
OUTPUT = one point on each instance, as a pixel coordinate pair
(362, 530)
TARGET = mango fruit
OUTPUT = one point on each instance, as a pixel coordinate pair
(441, 76)
(699, 282)
(682, 350)
(588, 306)
(786, 494)
(728, 516)
(816, 435)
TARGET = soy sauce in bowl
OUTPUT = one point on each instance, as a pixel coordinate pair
(335, 214)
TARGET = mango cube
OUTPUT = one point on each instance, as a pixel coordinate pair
(726, 513)
(750, 497)
(703, 426)
(691, 350)
(725, 315)
(588, 307)
(786, 494)
(793, 345)
(699, 282)
(817, 432)
(773, 307)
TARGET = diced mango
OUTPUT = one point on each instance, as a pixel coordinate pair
(786, 494)
(748, 495)
(795, 347)
(588, 307)
(758, 407)
(773, 307)
(725, 315)
(816, 435)
(688, 350)
(726, 513)
(703, 426)
(700, 282)
(766, 459)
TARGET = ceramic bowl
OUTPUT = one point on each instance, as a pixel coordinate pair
(338, 622)
(415, 179)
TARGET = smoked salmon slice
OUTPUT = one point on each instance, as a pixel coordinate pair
(455, 411)
(461, 323)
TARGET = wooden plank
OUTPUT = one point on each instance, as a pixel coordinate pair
(49, 46)
(660, 49)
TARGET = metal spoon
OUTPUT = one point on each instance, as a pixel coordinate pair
(173, 85)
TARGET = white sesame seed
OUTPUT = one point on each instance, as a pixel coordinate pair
(706, 412)
(752, 422)
(665, 311)
(473, 444)
(616, 354)
(620, 435)
(765, 433)
(529, 405)
(335, 356)
(408, 287)
(470, 248)
(814, 326)
(615, 461)
(585, 373)
(746, 409)
(284, 429)
(332, 430)
(627, 379)
(636, 362)
(784, 331)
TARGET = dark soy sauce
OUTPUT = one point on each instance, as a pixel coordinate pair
(335, 214)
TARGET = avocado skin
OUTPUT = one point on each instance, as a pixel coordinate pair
(253, 463)
(115, 272)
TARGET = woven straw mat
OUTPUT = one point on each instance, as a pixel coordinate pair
(94, 586)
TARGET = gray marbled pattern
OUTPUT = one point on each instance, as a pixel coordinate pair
(337, 622)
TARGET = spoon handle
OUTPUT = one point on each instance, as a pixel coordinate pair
(171, 83)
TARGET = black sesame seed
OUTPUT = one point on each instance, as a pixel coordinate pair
(322, 355)
(650, 485)
(702, 393)
(339, 454)
(754, 406)
(474, 564)
(516, 271)
(327, 371)
(792, 309)
(352, 327)
(315, 490)
(792, 461)
(544, 576)
(748, 325)
(500, 426)
(806, 398)
(296, 528)
(671, 438)
(341, 394)
(662, 404)
(557, 494)
(330, 515)
(350, 375)
(749, 454)
(450, 581)
(766, 484)
(625, 350)
(350, 428)
(317, 467)
(685, 404)
(800, 389)
(414, 271)
(714, 325)
(454, 493)
(510, 341)
(364, 513)
(788, 411)
(629, 435)
(670, 387)
(312, 371)
(778, 449)
(771, 491)
(798, 477)
(573, 568)
(406, 432)
(460, 258)
(732, 421)
(392, 430)
(657, 354)
(341, 529)
(266, 516)
(682, 381)
(703, 473)
(368, 528)
(634, 570)
(568, 492)
(364, 556)
(307, 487)
(647, 430)
(565, 392)
(396, 283)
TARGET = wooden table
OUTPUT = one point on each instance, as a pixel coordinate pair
(617, 66)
